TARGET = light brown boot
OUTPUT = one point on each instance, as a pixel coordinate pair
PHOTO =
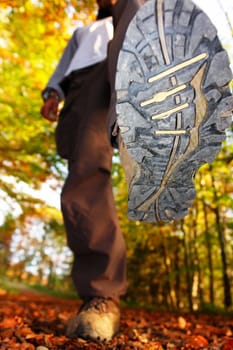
(97, 320)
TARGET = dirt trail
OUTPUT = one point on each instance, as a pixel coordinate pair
(31, 321)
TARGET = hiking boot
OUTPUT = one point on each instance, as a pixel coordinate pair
(173, 105)
(97, 320)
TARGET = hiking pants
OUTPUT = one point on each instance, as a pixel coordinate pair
(123, 12)
(87, 202)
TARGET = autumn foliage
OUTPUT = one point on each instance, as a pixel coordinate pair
(30, 321)
(183, 265)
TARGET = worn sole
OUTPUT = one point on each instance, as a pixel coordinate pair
(173, 104)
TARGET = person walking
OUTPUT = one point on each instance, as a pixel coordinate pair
(87, 203)
(145, 77)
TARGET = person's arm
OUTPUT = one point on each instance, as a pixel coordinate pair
(53, 93)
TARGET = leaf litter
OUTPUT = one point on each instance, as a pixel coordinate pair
(38, 322)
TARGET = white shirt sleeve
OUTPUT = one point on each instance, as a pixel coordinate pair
(63, 64)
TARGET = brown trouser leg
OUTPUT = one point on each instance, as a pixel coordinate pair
(123, 12)
(88, 208)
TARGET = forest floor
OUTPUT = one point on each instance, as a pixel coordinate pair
(31, 321)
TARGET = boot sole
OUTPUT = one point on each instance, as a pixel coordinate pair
(173, 104)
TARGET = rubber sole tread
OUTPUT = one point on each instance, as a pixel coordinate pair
(173, 104)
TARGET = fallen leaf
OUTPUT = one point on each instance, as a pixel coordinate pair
(196, 342)
(182, 322)
(228, 345)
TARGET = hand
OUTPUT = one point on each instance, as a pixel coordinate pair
(106, 3)
(50, 109)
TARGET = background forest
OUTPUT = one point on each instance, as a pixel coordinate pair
(183, 265)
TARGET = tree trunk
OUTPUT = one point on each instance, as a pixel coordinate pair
(226, 280)
(221, 237)
(196, 258)
(167, 264)
(209, 255)
(187, 265)
(177, 271)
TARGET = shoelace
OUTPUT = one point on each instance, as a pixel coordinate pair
(98, 303)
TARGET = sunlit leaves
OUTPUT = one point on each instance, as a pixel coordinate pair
(165, 262)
